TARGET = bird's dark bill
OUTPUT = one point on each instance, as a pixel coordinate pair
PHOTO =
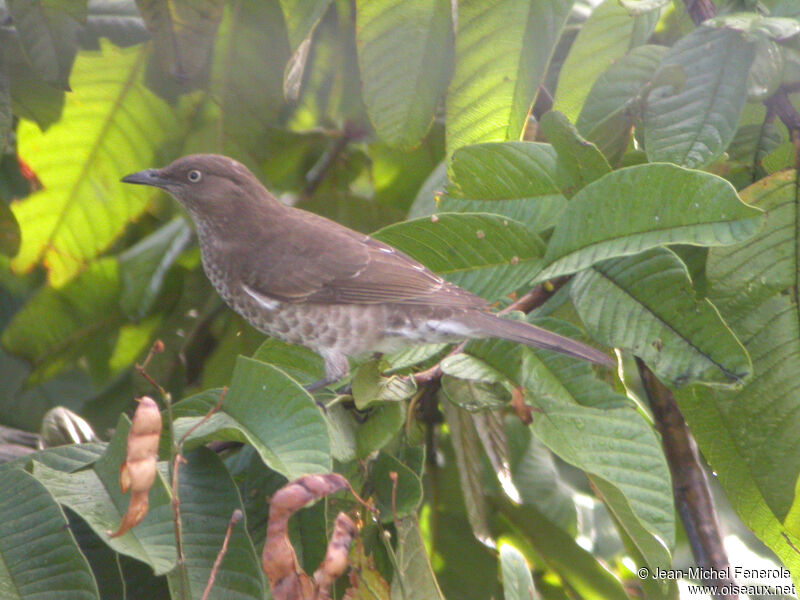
(147, 177)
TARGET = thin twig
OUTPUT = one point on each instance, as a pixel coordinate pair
(176, 462)
(394, 478)
(175, 457)
(235, 518)
(316, 175)
(690, 485)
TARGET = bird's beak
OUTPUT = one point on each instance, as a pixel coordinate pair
(147, 177)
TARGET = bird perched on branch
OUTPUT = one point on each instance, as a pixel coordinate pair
(307, 280)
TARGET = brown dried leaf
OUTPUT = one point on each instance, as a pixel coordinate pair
(138, 472)
(522, 408)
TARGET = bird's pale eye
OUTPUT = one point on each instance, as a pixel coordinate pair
(194, 175)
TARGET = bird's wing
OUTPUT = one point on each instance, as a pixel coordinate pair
(315, 260)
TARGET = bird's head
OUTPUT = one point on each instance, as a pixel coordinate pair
(214, 189)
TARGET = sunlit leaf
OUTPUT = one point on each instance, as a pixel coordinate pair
(111, 126)
(559, 551)
(515, 179)
(503, 49)
(517, 580)
(608, 33)
(401, 90)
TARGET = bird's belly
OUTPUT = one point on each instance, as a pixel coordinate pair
(349, 329)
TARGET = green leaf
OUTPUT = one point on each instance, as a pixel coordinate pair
(31, 98)
(638, 7)
(558, 550)
(579, 160)
(592, 427)
(370, 386)
(38, 554)
(757, 25)
(646, 304)
(413, 579)
(298, 362)
(66, 459)
(111, 126)
(302, 17)
(6, 126)
(401, 90)
(752, 143)
(183, 33)
(267, 409)
(517, 580)
(503, 49)
(616, 100)
(460, 388)
(143, 266)
(608, 33)
(536, 477)
(623, 458)
(208, 498)
(637, 208)
(744, 275)
(394, 501)
(515, 179)
(47, 31)
(487, 254)
(58, 326)
(469, 455)
(247, 74)
(9, 229)
(750, 438)
(120, 22)
(692, 126)
(383, 423)
(95, 495)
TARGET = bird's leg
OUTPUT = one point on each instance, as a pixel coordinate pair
(320, 383)
(336, 368)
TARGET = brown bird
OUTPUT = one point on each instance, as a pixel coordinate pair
(307, 280)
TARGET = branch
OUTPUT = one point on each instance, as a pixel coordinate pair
(316, 175)
(700, 10)
(689, 482)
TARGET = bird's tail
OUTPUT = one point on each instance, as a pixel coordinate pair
(489, 325)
